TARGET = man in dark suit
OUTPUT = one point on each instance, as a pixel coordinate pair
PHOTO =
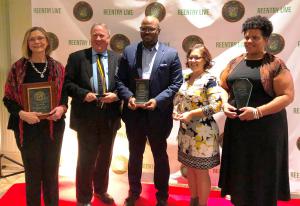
(152, 120)
(95, 114)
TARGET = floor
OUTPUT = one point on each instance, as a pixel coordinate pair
(9, 166)
(6, 183)
(179, 196)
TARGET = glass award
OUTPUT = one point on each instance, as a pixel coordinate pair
(39, 97)
(242, 89)
(141, 91)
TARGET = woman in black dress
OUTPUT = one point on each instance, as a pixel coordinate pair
(39, 140)
(254, 165)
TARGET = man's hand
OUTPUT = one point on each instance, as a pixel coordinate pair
(108, 97)
(90, 97)
(131, 103)
(150, 105)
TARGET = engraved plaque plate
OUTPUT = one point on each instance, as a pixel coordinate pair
(39, 97)
(142, 91)
(242, 89)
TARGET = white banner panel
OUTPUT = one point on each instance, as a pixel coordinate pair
(183, 22)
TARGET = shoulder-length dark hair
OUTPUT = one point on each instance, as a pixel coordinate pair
(205, 54)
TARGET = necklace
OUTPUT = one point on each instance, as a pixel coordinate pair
(37, 71)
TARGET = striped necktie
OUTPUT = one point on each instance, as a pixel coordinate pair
(101, 76)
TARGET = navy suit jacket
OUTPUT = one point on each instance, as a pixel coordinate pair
(79, 71)
(165, 81)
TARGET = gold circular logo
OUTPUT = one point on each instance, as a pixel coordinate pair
(298, 143)
(183, 171)
(233, 11)
(54, 42)
(83, 11)
(156, 9)
(275, 44)
(39, 96)
(190, 41)
(119, 164)
(118, 42)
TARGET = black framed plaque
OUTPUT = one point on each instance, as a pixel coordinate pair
(141, 91)
(39, 97)
(242, 89)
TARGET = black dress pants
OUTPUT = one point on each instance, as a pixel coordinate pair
(41, 155)
(95, 144)
(137, 136)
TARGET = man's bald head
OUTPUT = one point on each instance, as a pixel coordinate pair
(151, 20)
(149, 31)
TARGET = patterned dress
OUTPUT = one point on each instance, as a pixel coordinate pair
(198, 139)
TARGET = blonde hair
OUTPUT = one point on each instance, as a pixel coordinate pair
(25, 48)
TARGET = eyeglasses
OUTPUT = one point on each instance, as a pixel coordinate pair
(195, 58)
(148, 29)
(38, 38)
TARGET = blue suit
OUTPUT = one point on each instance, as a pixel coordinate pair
(165, 81)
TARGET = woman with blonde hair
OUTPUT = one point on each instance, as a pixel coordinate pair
(39, 140)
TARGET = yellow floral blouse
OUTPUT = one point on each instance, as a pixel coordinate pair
(198, 139)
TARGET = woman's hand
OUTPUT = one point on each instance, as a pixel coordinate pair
(30, 117)
(176, 116)
(185, 117)
(229, 111)
(57, 113)
(247, 113)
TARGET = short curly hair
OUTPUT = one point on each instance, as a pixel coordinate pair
(258, 22)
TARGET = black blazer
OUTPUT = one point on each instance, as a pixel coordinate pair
(79, 71)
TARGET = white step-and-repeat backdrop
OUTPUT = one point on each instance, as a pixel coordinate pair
(217, 23)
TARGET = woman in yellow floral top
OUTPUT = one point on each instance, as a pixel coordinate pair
(197, 100)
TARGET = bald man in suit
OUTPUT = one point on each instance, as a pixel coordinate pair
(160, 64)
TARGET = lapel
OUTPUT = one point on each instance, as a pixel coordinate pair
(138, 60)
(111, 65)
(88, 62)
(157, 60)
